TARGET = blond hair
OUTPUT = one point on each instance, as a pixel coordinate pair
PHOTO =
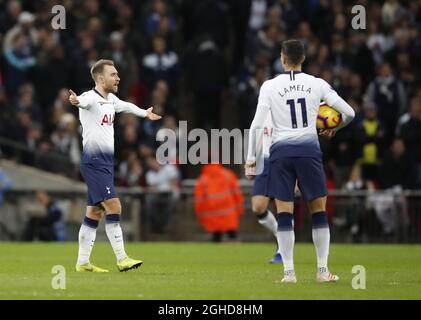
(98, 67)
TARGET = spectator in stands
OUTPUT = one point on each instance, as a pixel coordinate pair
(388, 93)
(160, 18)
(257, 16)
(413, 111)
(25, 27)
(359, 58)
(337, 57)
(342, 152)
(19, 128)
(47, 159)
(354, 85)
(135, 173)
(55, 67)
(160, 64)
(392, 12)
(248, 94)
(207, 18)
(26, 102)
(47, 221)
(59, 107)
(124, 60)
(145, 151)
(410, 133)
(218, 202)
(207, 59)
(9, 17)
(82, 58)
(130, 170)
(167, 96)
(163, 183)
(356, 180)
(19, 59)
(90, 9)
(65, 139)
(267, 41)
(357, 210)
(94, 29)
(378, 43)
(370, 134)
(397, 168)
(406, 72)
(158, 100)
(7, 112)
(129, 139)
(34, 136)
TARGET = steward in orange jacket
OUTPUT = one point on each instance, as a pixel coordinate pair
(218, 199)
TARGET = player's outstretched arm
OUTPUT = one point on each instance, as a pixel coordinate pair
(152, 116)
(124, 106)
(73, 98)
(80, 102)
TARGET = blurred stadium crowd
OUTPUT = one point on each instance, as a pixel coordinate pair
(204, 61)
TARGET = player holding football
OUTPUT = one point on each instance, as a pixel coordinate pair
(292, 98)
(97, 109)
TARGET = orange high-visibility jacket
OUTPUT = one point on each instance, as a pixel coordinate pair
(218, 199)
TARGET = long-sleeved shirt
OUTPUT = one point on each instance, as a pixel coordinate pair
(96, 114)
(292, 99)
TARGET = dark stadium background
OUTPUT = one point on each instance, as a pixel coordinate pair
(204, 61)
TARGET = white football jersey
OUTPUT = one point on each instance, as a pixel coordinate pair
(264, 141)
(96, 115)
(292, 99)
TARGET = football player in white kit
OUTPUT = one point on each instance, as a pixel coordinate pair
(260, 200)
(97, 109)
(293, 98)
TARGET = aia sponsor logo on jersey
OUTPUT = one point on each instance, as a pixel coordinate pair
(108, 119)
(267, 131)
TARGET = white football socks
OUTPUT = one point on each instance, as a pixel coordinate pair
(321, 240)
(87, 235)
(115, 235)
(269, 222)
(286, 240)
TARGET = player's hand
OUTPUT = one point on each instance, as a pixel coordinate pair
(152, 116)
(73, 98)
(327, 133)
(250, 170)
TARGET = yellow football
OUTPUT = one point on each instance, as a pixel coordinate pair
(328, 118)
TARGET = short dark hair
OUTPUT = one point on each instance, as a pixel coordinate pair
(293, 51)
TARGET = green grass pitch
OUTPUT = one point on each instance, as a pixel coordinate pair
(208, 271)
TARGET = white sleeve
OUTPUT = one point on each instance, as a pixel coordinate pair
(85, 101)
(257, 125)
(330, 96)
(123, 106)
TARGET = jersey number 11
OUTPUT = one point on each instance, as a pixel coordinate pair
(291, 104)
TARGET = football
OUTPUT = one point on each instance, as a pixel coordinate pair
(328, 118)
